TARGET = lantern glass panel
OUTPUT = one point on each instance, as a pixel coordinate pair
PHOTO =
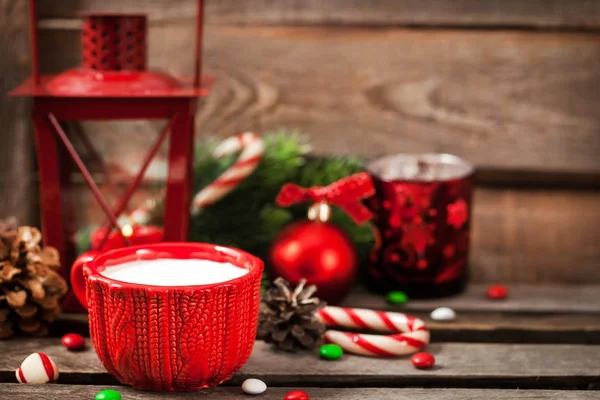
(114, 152)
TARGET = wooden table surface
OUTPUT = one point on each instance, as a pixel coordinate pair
(542, 343)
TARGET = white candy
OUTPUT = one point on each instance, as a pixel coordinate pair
(254, 386)
(37, 368)
(443, 314)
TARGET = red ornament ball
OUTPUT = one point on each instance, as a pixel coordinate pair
(321, 253)
(296, 395)
(497, 292)
(73, 341)
(423, 360)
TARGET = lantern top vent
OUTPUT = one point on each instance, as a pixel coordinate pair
(114, 42)
(114, 62)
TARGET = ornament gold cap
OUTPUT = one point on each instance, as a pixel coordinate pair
(320, 212)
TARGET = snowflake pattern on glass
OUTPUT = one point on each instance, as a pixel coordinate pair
(423, 231)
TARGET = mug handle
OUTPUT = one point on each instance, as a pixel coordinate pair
(78, 278)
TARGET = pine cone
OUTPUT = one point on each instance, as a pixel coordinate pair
(30, 285)
(288, 318)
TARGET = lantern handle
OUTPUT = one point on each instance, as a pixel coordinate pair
(33, 40)
(199, 31)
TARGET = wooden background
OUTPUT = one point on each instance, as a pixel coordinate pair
(513, 86)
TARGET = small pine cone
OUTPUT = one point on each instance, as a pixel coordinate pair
(29, 325)
(33, 326)
(4, 313)
(48, 256)
(30, 285)
(41, 331)
(49, 302)
(288, 318)
(17, 298)
(6, 330)
(27, 311)
(52, 282)
(8, 271)
(4, 250)
(49, 315)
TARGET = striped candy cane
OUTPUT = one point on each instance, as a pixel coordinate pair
(410, 335)
(252, 149)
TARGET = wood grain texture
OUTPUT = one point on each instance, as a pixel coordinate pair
(471, 13)
(459, 365)
(469, 327)
(532, 314)
(526, 299)
(536, 236)
(494, 327)
(503, 100)
(17, 180)
(80, 392)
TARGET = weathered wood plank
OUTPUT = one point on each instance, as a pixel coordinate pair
(17, 181)
(459, 365)
(79, 392)
(472, 13)
(489, 327)
(469, 327)
(526, 299)
(504, 100)
(532, 314)
(536, 236)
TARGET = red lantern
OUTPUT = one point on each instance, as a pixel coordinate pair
(112, 84)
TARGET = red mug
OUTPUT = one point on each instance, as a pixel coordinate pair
(170, 338)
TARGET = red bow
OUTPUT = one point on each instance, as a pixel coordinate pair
(345, 194)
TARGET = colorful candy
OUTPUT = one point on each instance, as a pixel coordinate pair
(37, 368)
(108, 394)
(254, 386)
(396, 297)
(443, 314)
(423, 360)
(497, 292)
(73, 341)
(331, 352)
(296, 395)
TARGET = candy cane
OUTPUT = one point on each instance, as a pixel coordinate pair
(252, 149)
(411, 333)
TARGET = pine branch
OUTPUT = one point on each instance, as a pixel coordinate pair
(247, 218)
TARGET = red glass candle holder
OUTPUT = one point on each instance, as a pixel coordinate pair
(422, 218)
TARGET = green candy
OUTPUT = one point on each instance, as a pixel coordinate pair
(396, 297)
(108, 394)
(331, 352)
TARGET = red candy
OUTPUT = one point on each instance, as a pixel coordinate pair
(423, 360)
(497, 292)
(296, 395)
(73, 341)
